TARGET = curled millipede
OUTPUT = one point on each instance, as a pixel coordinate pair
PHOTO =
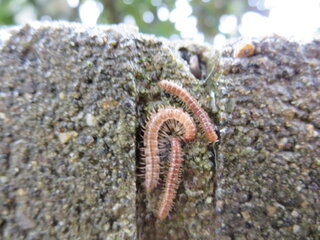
(150, 139)
(194, 106)
(172, 178)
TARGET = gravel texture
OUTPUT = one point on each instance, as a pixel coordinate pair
(268, 172)
(73, 103)
(67, 134)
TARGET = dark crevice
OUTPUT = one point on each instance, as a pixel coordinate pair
(140, 206)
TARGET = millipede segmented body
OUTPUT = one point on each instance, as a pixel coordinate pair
(194, 106)
(172, 178)
(166, 122)
(151, 149)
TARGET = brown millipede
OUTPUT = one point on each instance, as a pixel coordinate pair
(150, 139)
(172, 178)
(193, 105)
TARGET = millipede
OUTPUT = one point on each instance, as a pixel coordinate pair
(193, 105)
(150, 139)
(168, 117)
(172, 178)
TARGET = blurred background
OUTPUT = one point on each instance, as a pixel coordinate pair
(203, 20)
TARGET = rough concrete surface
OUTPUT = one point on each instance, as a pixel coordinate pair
(67, 134)
(73, 102)
(268, 170)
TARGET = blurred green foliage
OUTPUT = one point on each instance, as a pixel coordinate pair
(6, 15)
(206, 12)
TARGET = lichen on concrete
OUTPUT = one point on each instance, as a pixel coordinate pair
(192, 211)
